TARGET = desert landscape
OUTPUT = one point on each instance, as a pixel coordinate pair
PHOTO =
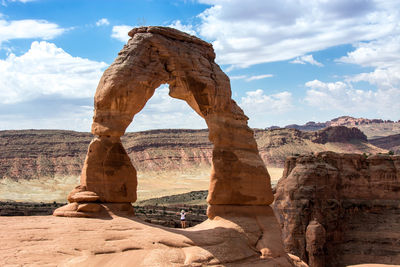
(124, 144)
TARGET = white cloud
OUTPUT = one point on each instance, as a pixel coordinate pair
(251, 78)
(120, 32)
(343, 97)
(28, 28)
(382, 53)
(47, 70)
(380, 77)
(259, 77)
(384, 56)
(165, 112)
(23, 1)
(249, 32)
(102, 22)
(238, 77)
(4, 2)
(257, 105)
(306, 59)
(184, 28)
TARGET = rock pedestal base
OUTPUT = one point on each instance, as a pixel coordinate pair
(95, 210)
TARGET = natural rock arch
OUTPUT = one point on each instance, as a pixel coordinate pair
(153, 56)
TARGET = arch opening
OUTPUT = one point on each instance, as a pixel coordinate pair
(154, 56)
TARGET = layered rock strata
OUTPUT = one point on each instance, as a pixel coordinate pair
(153, 56)
(340, 209)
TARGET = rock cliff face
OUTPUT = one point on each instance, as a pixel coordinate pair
(340, 209)
(391, 142)
(337, 134)
(28, 154)
(275, 145)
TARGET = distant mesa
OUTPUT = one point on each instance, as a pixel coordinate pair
(340, 121)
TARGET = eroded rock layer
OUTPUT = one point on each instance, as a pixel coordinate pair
(154, 56)
(340, 209)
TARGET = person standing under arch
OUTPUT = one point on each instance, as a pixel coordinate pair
(183, 219)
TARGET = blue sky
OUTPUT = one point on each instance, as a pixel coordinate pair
(289, 61)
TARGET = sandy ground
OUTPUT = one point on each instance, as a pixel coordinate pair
(150, 185)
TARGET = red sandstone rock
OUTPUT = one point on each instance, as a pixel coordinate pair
(157, 55)
(339, 134)
(242, 228)
(127, 241)
(355, 200)
(315, 241)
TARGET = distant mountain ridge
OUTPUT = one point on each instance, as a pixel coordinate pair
(28, 154)
(373, 128)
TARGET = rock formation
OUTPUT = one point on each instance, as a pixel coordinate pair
(340, 209)
(241, 224)
(153, 56)
(391, 143)
(32, 154)
(121, 241)
(371, 127)
(338, 134)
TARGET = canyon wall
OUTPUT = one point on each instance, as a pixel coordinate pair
(340, 209)
(28, 154)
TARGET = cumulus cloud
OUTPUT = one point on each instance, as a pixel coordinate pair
(245, 33)
(381, 53)
(120, 32)
(343, 97)
(102, 22)
(184, 28)
(47, 70)
(165, 112)
(383, 56)
(28, 28)
(307, 59)
(257, 105)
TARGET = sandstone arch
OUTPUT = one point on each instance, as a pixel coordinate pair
(153, 56)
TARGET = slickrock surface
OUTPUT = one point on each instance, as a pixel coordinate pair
(62, 241)
(340, 209)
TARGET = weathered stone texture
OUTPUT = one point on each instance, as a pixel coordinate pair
(340, 209)
(154, 56)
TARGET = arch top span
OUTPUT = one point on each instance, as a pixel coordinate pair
(154, 56)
